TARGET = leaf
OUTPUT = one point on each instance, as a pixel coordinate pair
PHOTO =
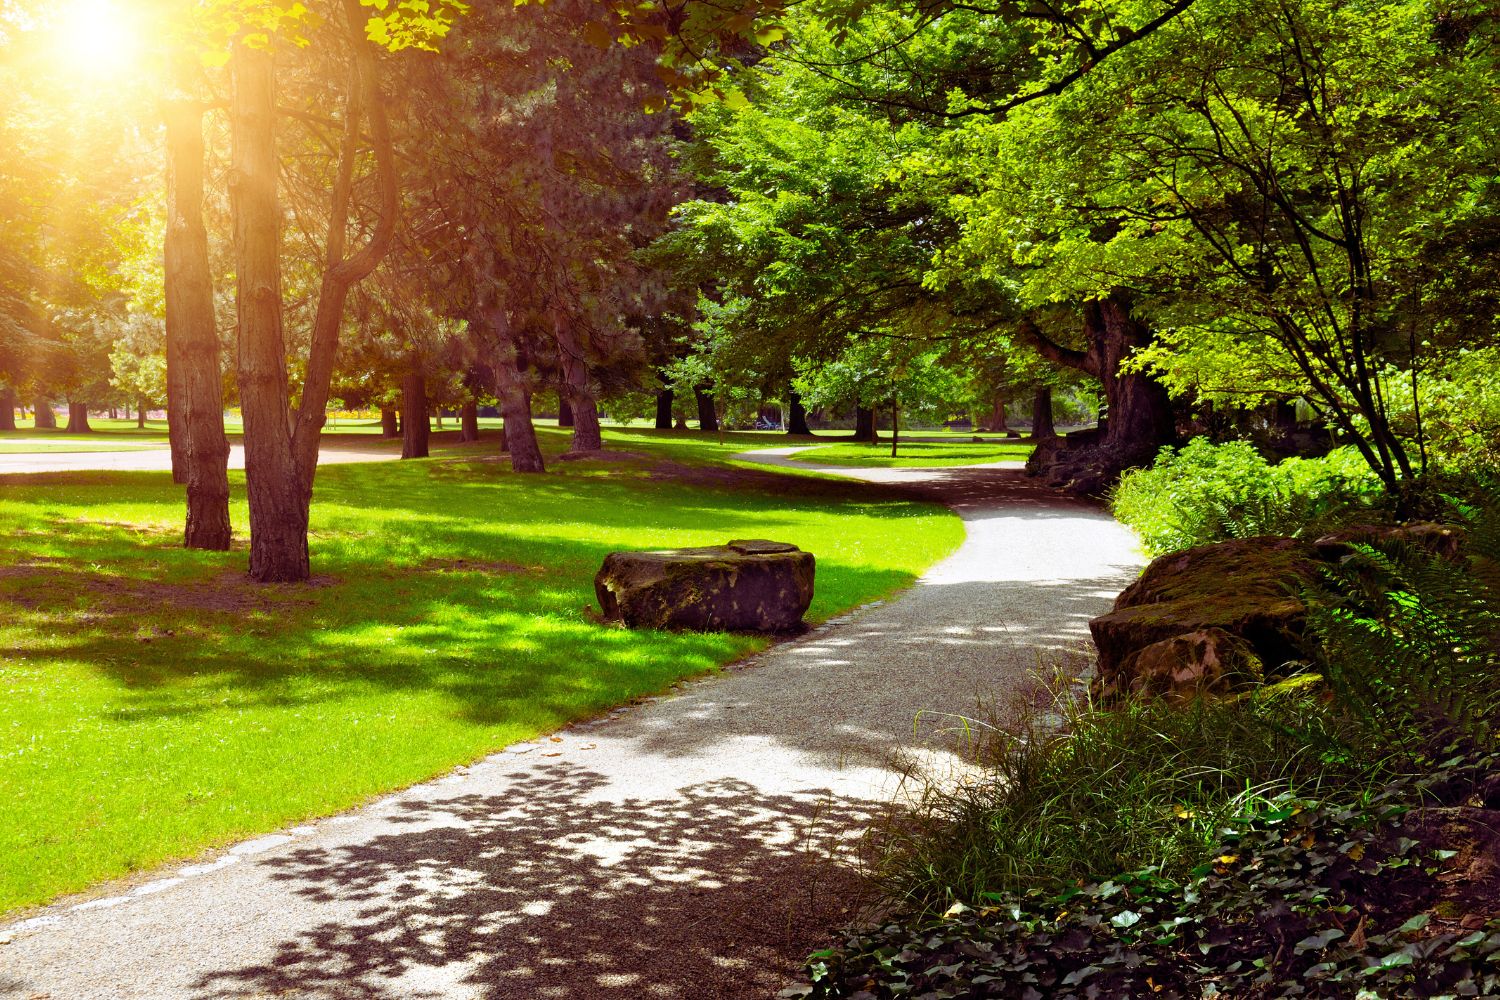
(1414, 924)
(1079, 975)
(1319, 941)
(1125, 918)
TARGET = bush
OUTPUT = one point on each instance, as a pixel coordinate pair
(1204, 493)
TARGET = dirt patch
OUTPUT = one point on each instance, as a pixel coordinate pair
(730, 477)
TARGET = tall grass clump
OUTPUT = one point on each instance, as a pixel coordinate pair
(1204, 493)
(1142, 784)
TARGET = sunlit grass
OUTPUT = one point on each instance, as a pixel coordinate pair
(155, 703)
(917, 453)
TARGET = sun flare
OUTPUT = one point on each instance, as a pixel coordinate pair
(95, 38)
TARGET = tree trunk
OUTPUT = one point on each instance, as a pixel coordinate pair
(587, 435)
(468, 422)
(515, 405)
(195, 389)
(895, 426)
(414, 410)
(277, 493)
(708, 417)
(390, 423)
(796, 421)
(997, 415)
(7, 409)
(140, 415)
(44, 418)
(864, 425)
(564, 412)
(78, 418)
(664, 410)
(1041, 414)
(437, 414)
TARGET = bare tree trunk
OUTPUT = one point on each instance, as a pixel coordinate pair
(1041, 414)
(895, 426)
(468, 422)
(796, 422)
(140, 415)
(274, 484)
(78, 418)
(587, 435)
(195, 408)
(44, 418)
(664, 410)
(7, 409)
(997, 414)
(564, 411)
(515, 406)
(414, 424)
(708, 417)
(864, 425)
(390, 424)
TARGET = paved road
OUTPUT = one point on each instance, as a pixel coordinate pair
(160, 459)
(684, 848)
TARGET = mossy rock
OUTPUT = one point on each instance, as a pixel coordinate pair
(745, 585)
(1248, 588)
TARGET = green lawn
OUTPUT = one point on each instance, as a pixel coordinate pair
(156, 703)
(917, 453)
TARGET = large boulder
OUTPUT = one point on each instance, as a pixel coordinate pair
(744, 585)
(1246, 589)
(1208, 661)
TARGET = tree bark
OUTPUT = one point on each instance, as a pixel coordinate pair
(7, 409)
(43, 417)
(416, 430)
(796, 421)
(997, 414)
(1041, 414)
(708, 417)
(273, 480)
(390, 423)
(587, 435)
(564, 412)
(195, 389)
(664, 410)
(78, 418)
(864, 425)
(140, 415)
(468, 422)
(895, 426)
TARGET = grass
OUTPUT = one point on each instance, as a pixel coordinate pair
(157, 704)
(1110, 790)
(917, 453)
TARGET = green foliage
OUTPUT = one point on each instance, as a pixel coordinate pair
(1149, 784)
(1204, 493)
(1304, 899)
(1410, 640)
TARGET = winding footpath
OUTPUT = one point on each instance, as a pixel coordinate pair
(689, 847)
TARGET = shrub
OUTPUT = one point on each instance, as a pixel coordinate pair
(1204, 493)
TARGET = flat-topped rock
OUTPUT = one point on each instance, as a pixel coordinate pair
(743, 585)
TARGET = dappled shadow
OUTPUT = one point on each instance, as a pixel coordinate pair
(564, 885)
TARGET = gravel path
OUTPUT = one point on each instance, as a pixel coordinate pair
(678, 849)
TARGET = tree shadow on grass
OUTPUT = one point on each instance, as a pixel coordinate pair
(562, 887)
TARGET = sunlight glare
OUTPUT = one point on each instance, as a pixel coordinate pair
(94, 38)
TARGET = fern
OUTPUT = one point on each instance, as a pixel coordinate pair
(1410, 642)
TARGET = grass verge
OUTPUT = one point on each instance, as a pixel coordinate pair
(157, 704)
(916, 454)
